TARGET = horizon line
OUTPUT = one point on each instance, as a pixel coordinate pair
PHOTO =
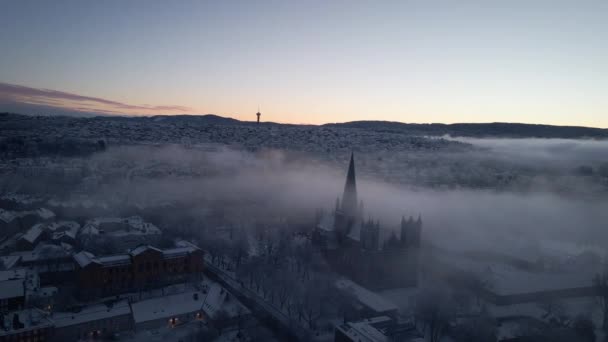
(84, 115)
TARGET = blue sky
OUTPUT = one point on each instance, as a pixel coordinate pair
(311, 61)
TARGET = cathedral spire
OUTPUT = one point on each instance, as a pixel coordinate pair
(349, 198)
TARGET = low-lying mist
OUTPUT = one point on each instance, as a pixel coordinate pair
(281, 183)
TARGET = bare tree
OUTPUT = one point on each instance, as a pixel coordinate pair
(477, 329)
(303, 255)
(314, 299)
(252, 270)
(551, 308)
(477, 284)
(239, 250)
(285, 285)
(220, 321)
(434, 309)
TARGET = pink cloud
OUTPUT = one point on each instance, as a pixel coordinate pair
(64, 100)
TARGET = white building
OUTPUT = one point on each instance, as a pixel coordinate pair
(125, 233)
(92, 321)
(168, 310)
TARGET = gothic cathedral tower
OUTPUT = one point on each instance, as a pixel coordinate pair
(349, 198)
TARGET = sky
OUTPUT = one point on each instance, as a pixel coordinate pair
(530, 61)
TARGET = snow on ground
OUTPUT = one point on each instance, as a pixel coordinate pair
(366, 297)
(571, 306)
(404, 298)
(91, 313)
(507, 279)
(167, 306)
(179, 333)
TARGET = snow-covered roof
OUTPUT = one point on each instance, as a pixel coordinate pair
(403, 297)
(101, 220)
(115, 260)
(13, 274)
(7, 216)
(69, 227)
(9, 261)
(366, 297)
(33, 233)
(31, 319)
(54, 267)
(45, 213)
(58, 229)
(167, 306)
(143, 248)
(178, 252)
(10, 242)
(84, 258)
(12, 289)
(91, 313)
(126, 233)
(89, 229)
(122, 227)
(219, 299)
(59, 235)
(139, 224)
(364, 331)
(12, 284)
(184, 243)
(43, 251)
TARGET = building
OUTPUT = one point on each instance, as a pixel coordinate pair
(18, 287)
(63, 231)
(12, 222)
(221, 308)
(366, 302)
(8, 262)
(30, 239)
(212, 304)
(57, 232)
(124, 233)
(363, 250)
(53, 263)
(168, 310)
(12, 290)
(100, 320)
(377, 329)
(25, 326)
(144, 267)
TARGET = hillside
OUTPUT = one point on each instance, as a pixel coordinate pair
(481, 130)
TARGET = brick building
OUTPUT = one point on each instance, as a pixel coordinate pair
(144, 267)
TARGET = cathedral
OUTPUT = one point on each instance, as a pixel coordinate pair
(372, 255)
